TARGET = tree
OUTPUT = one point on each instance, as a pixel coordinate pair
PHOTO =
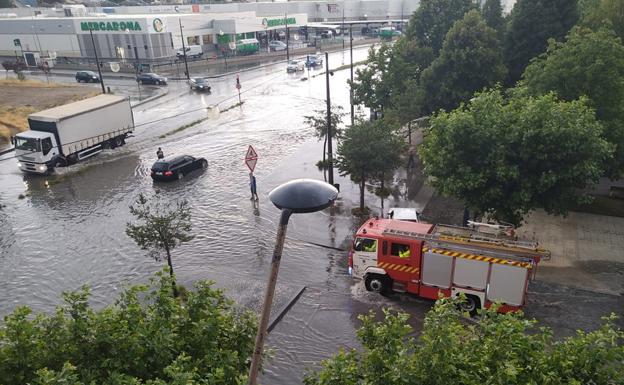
(492, 12)
(493, 349)
(596, 14)
(507, 156)
(432, 20)
(160, 228)
(145, 337)
(369, 87)
(318, 122)
(532, 23)
(588, 64)
(470, 47)
(367, 151)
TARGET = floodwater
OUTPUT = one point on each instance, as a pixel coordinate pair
(70, 228)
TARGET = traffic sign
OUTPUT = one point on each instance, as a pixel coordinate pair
(251, 158)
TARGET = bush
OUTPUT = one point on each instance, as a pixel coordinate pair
(147, 336)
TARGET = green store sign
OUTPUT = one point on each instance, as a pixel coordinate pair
(110, 26)
(275, 22)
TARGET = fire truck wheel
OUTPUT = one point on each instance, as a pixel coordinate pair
(471, 305)
(377, 283)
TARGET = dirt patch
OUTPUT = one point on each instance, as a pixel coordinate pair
(21, 98)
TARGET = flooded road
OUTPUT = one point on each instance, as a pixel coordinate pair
(70, 228)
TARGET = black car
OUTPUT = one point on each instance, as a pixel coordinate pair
(199, 84)
(313, 61)
(176, 168)
(151, 78)
(87, 77)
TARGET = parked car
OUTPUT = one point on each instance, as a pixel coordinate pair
(151, 78)
(87, 77)
(176, 168)
(199, 84)
(314, 61)
(327, 34)
(294, 66)
(276, 45)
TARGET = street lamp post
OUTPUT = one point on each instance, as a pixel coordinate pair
(188, 76)
(330, 155)
(296, 196)
(224, 51)
(97, 61)
(351, 85)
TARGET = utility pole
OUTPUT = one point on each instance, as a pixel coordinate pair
(351, 85)
(97, 61)
(329, 127)
(184, 50)
(287, 36)
(136, 70)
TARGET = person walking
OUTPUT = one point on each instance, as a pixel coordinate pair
(252, 186)
(160, 153)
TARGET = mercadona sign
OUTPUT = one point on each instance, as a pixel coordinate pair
(110, 26)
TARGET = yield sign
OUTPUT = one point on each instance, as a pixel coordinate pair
(251, 158)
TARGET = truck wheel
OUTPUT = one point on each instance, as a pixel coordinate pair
(377, 283)
(116, 142)
(471, 305)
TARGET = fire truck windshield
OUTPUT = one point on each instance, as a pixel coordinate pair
(365, 244)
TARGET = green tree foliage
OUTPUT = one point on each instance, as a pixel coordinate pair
(432, 20)
(492, 12)
(146, 337)
(496, 349)
(588, 64)
(367, 151)
(596, 14)
(509, 156)
(160, 227)
(532, 23)
(470, 48)
(369, 87)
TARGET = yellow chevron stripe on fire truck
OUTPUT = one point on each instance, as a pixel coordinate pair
(395, 267)
(482, 258)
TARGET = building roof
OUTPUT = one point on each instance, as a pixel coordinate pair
(76, 108)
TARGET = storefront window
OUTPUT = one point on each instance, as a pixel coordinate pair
(192, 40)
(207, 39)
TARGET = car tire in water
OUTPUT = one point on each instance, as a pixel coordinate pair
(377, 283)
(204, 164)
(180, 175)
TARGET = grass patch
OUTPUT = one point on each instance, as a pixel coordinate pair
(13, 120)
(233, 106)
(182, 128)
(603, 205)
(31, 83)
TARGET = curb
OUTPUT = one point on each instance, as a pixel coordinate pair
(149, 99)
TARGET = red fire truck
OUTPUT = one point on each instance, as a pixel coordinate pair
(425, 259)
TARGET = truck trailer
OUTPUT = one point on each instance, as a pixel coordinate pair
(64, 135)
(432, 260)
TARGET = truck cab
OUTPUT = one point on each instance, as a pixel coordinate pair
(36, 151)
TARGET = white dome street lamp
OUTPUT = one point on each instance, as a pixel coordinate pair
(295, 197)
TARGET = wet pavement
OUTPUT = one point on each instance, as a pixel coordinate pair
(69, 229)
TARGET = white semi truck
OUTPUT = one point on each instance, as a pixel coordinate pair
(64, 135)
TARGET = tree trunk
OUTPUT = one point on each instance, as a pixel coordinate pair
(362, 187)
(173, 282)
(382, 194)
(324, 151)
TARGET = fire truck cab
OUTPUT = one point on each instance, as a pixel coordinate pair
(426, 260)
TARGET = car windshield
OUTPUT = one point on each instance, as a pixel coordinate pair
(160, 166)
(199, 80)
(27, 144)
(151, 75)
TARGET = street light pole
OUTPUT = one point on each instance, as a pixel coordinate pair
(184, 51)
(330, 156)
(297, 196)
(351, 85)
(97, 61)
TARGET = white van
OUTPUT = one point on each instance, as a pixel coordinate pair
(191, 51)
